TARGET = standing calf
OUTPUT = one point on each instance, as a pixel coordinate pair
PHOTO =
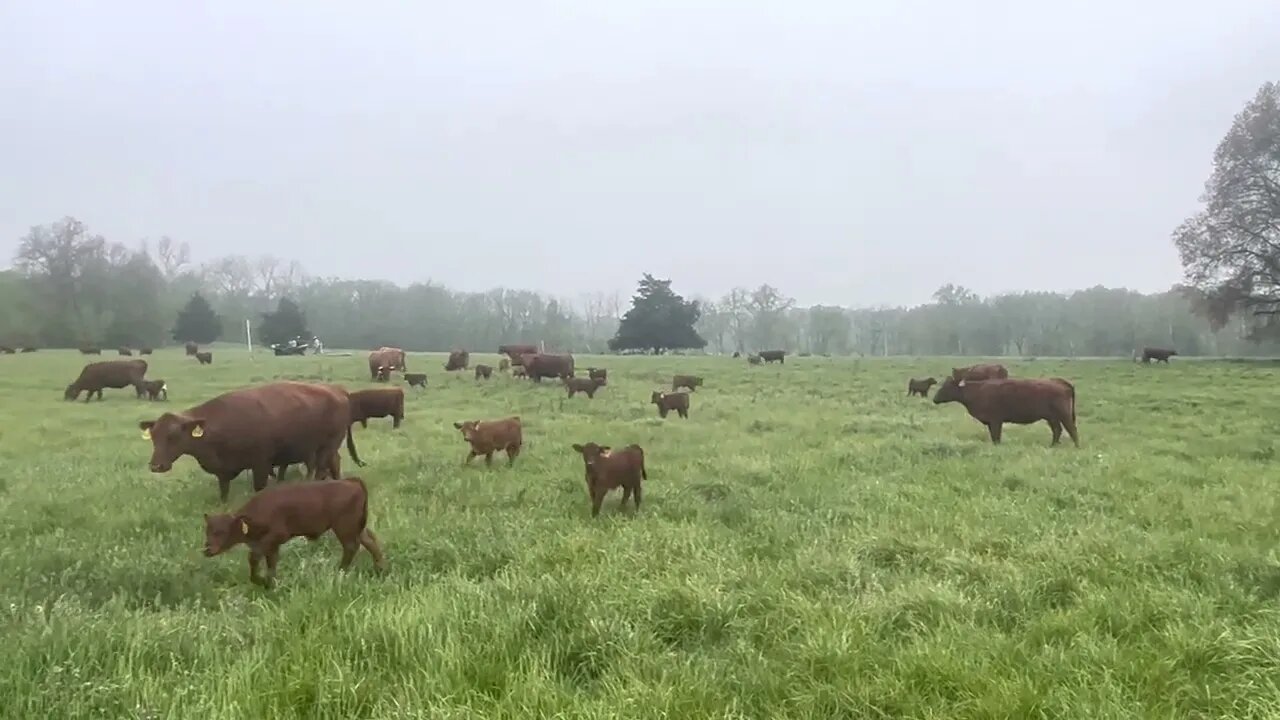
(155, 389)
(416, 379)
(489, 436)
(920, 387)
(1018, 401)
(375, 403)
(608, 469)
(205, 358)
(583, 385)
(666, 402)
(276, 515)
(484, 371)
(1157, 354)
(685, 381)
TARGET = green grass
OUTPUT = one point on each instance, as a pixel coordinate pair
(812, 544)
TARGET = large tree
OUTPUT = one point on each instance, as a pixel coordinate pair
(1231, 249)
(658, 319)
(197, 322)
(285, 324)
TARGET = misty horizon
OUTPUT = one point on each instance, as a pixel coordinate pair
(846, 156)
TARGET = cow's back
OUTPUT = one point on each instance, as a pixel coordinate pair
(280, 417)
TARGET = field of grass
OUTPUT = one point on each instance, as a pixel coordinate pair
(812, 544)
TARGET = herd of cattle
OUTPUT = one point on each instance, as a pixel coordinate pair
(264, 429)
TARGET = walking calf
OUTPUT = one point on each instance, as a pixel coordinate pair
(667, 402)
(685, 381)
(276, 515)
(583, 385)
(607, 469)
(920, 387)
(489, 436)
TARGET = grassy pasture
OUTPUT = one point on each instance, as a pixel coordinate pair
(812, 544)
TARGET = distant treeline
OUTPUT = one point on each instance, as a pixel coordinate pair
(68, 287)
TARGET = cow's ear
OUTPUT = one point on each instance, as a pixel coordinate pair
(457, 426)
(146, 426)
(194, 428)
(605, 448)
(960, 384)
(242, 524)
(578, 447)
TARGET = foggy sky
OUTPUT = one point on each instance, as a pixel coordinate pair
(846, 152)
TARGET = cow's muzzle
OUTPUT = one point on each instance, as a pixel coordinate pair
(161, 467)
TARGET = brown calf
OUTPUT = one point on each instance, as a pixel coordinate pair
(685, 381)
(458, 360)
(155, 389)
(205, 358)
(504, 364)
(920, 387)
(275, 516)
(107, 374)
(484, 371)
(375, 403)
(990, 371)
(416, 379)
(1018, 401)
(666, 402)
(489, 436)
(608, 469)
(583, 385)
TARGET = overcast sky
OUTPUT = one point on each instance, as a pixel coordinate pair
(847, 152)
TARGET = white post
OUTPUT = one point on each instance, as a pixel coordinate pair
(248, 335)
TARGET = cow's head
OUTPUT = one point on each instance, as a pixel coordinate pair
(172, 435)
(656, 398)
(384, 373)
(591, 452)
(468, 428)
(223, 532)
(951, 390)
(695, 381)
(71, 392)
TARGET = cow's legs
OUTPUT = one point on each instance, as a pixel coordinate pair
(224, 485)
(470, 456)
(626, 495)
(1070, 424)
(260, 475)
(255, 557)
(995, 428)
(370, 543)
(512, 452)
(488, 458)
(636, 493)
(1056, 428)
(350, 546)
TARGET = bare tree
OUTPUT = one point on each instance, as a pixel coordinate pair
(172, 257)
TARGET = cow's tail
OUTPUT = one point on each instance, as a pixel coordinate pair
(643, 475)
(351, 447)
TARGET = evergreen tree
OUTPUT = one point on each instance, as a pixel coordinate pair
(197, 322)
(285, 324)
(658, 319)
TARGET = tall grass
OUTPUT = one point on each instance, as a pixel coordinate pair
(812, 544)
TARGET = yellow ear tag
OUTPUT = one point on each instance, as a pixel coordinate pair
(244, 527)
(197, 431)
(146, 434)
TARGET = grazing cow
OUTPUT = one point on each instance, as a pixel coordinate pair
(515, 352)
(920, 387)
(107, 374)
(145, 351)
(256, 429)
(600, 374)
(155, 389)
(458, 360)
(990, 371)
(685, 381)
(384, 360)
(1157, 354)
(28, 349)
(272, 518)
(504, 364)
(191, 349)
(1018, 401)
(607, 469)
(375, 403)
(489, 436)
(90, 351)
(204, 358)
(484, 371)
(753, 359)
(124, 351)
(583, 385)
(666, 402)
(518, 372)
(773, 356)
(416, 379)
(539, 365)
(6, 350)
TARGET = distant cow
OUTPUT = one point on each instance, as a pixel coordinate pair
(1018, 401)
(736, 354)
(272, 518)
(28, 349)
(484, 371)
(666, 402)
(124, 351)
(516, 351)
(920, 387)
(145, 351)
(583, 385)
(458, 360)
(416, 379)
(90, 351)
(1157, 354)
(6, 350)
(607, 469)
(257, 429)
(989, 371)
(539, 365)
(685, 381)
(376, 403)
(504, 364)
(489, 436)
(107, 374)
(600, 374)
(191, 349)
(753, 359)
(204, 358)
(384, 360)
(155, 389)
(773, 356)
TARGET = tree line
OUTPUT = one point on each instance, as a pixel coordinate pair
(69, 287)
